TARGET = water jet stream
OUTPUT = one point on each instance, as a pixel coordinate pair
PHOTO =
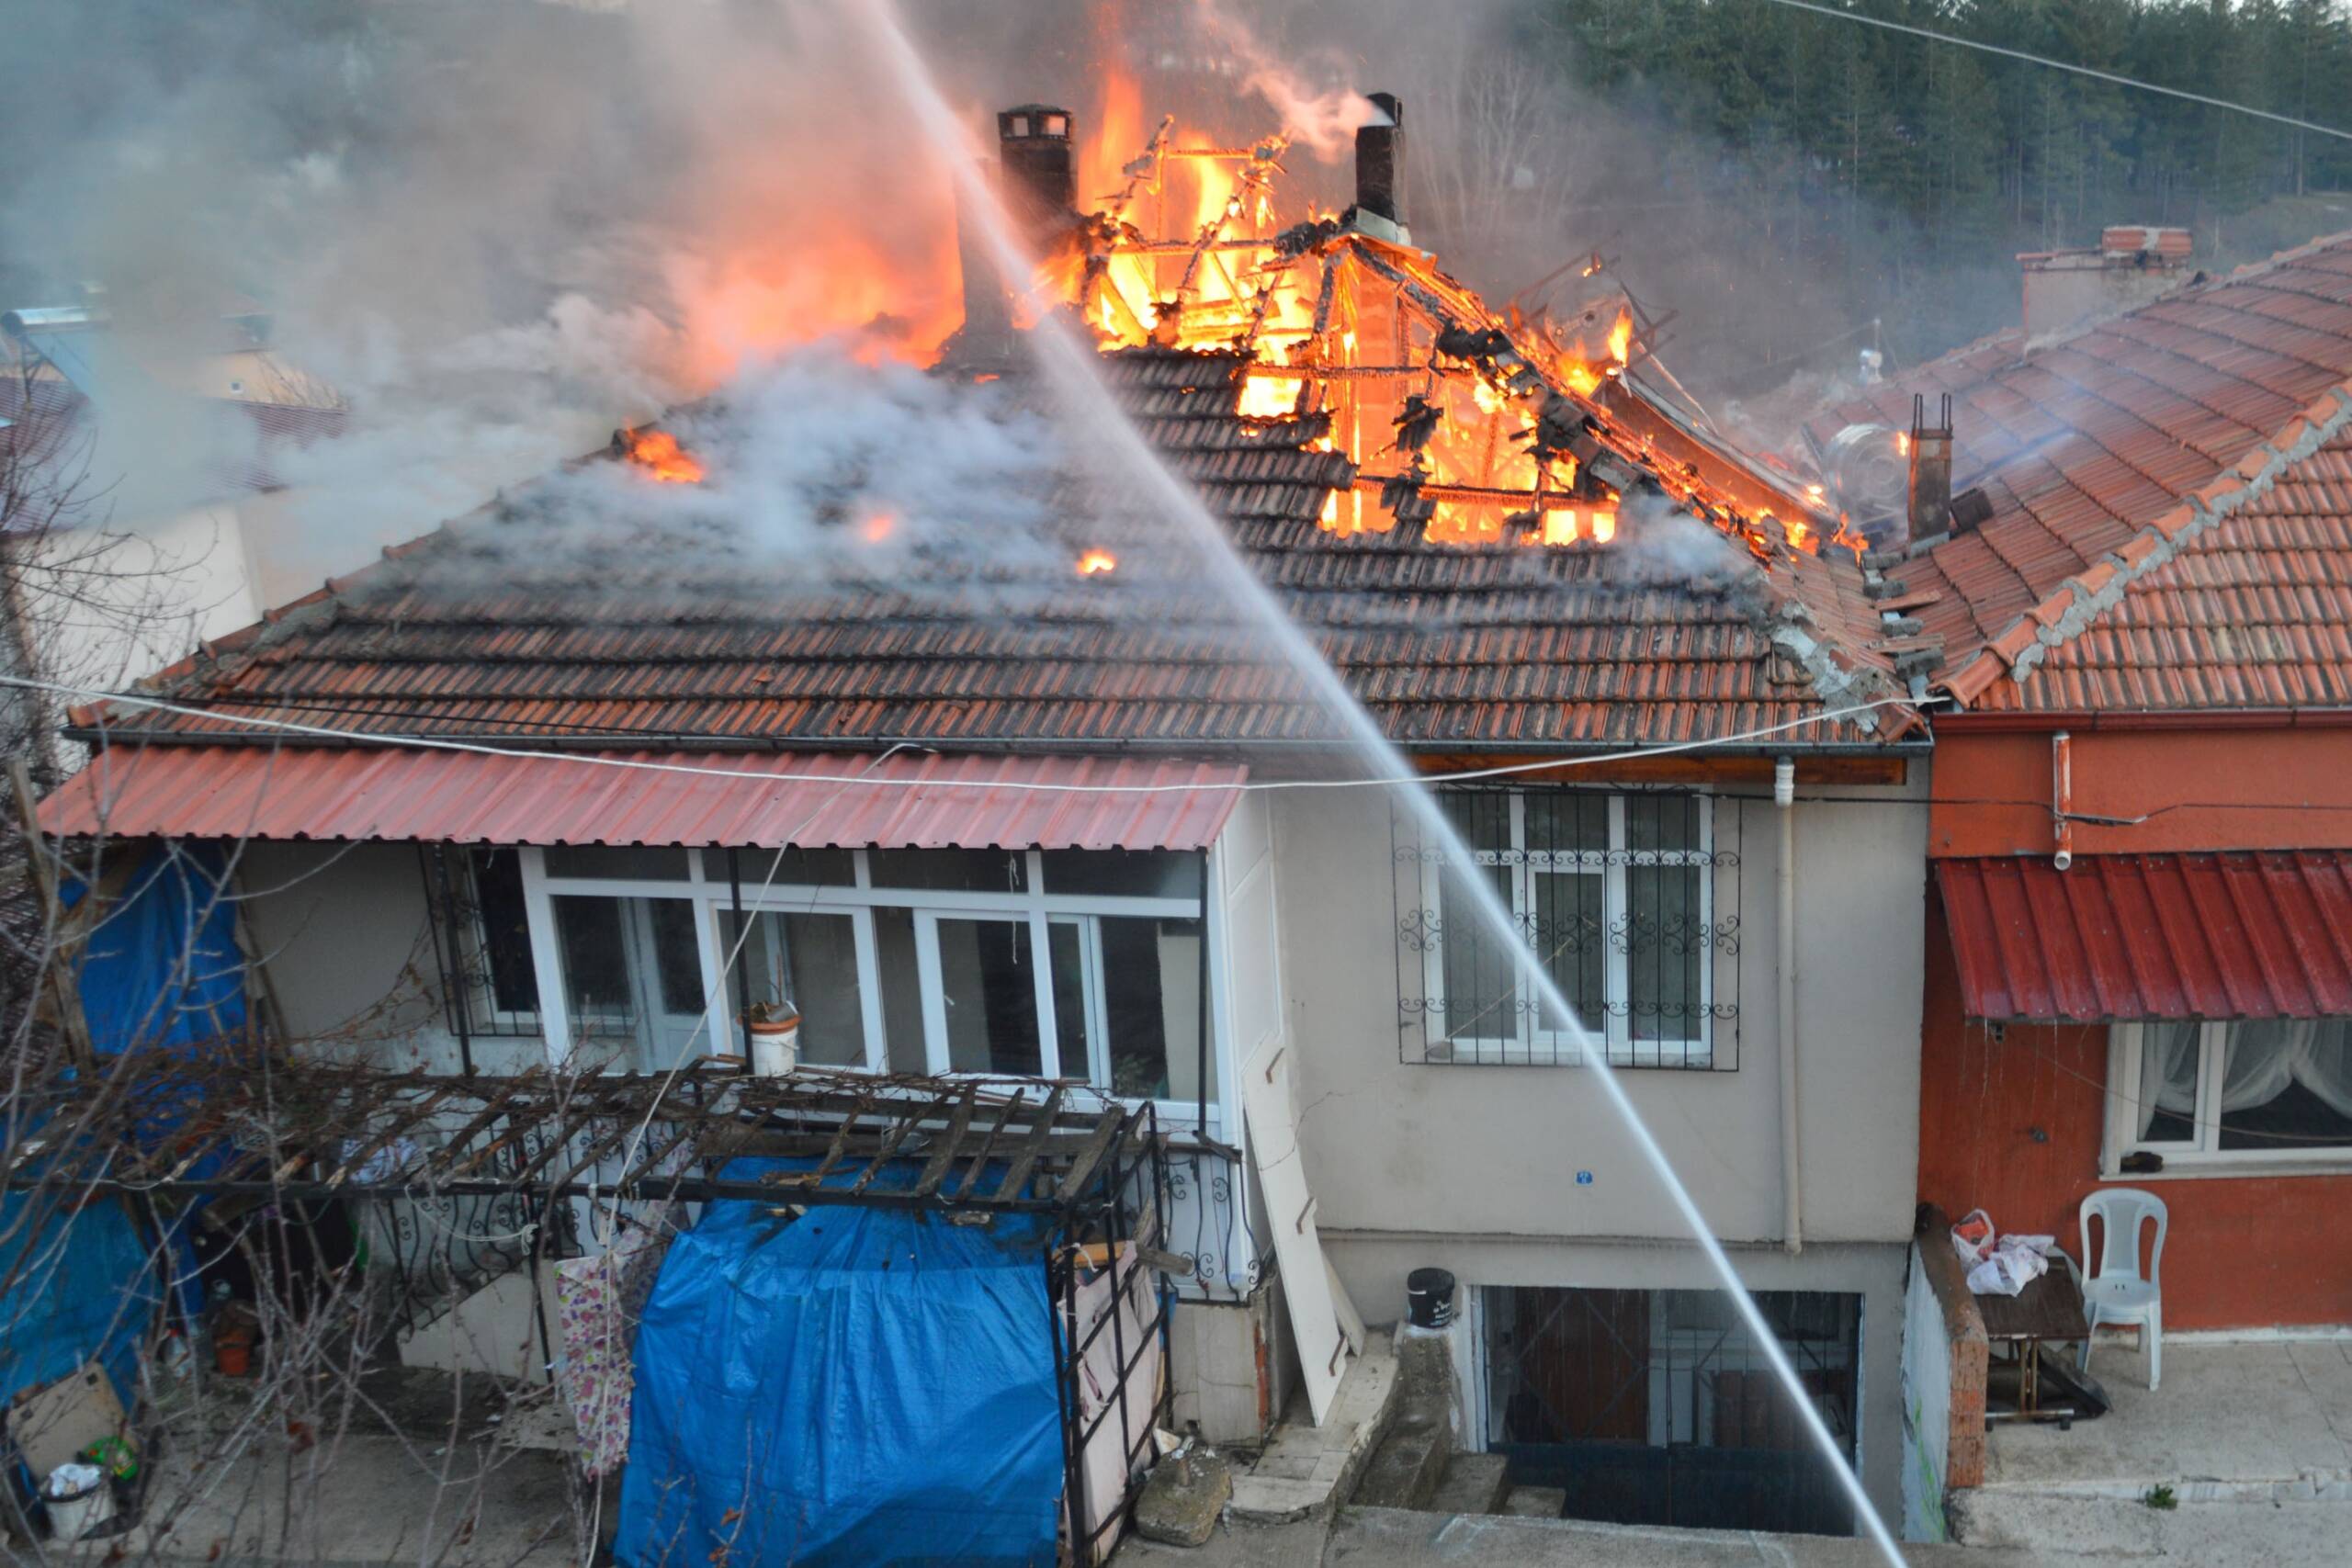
(1073, 371)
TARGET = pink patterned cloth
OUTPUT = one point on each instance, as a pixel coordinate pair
(598, 1301)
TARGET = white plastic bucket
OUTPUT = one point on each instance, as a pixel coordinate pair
(775, 1053)
(75, 1514)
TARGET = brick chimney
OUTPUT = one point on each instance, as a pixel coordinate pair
(2130, 266)
(1928, 511)
(1040, 179)
(1380, 166)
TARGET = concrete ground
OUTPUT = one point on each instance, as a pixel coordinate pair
(2233, 1422)
(2214, 1535)
(2253, 1441)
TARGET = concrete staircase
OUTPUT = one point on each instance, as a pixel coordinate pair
(1415, 1466)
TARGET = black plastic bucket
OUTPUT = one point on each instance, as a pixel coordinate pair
(1429, 1298)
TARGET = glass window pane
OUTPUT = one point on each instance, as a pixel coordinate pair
(617, 862)
(595, 954)
(1666, 943)
(783, 868)
(2168, 1054)
(1126, 874)
(2287, 1085)
(677, 957)
(632, 969)
(950, 871)
(1662, 822)
(505, 931)
(901, 982)
(1151, 999)
(988, 986)
(807, 961)
(1569, 935)
(1481, 967)
(1066, 941)
(1562, 822)
(1481, 816)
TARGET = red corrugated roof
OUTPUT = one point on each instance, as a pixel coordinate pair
(904, 800)
(2241, 934)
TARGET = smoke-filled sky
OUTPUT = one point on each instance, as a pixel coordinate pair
(503, 227)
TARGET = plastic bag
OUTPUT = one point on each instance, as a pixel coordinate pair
(1973, 1238)
(72, 1480)
(2015, 1262)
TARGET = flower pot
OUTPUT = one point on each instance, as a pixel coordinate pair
(234, 1357)
(775, 1046)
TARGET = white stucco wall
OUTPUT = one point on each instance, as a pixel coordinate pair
(1493, 1150)
(342, 931)
(1474, 1169)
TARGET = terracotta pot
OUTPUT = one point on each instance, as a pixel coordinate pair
(234, 1357)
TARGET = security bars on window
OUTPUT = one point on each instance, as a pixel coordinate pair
(1631, 901)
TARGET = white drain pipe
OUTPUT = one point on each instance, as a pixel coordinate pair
(1784, 797)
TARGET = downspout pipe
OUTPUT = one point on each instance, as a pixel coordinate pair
(2062, 799)
(1784, 876)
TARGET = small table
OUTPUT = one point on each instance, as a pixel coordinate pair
(2048, 1308)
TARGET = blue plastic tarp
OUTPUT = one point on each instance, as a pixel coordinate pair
(162, 969)
(74, 1285)
(852, 1386)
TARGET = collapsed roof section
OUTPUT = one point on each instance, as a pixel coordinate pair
(1501, 540)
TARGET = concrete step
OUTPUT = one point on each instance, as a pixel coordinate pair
(1473, 1484)
(1305, 1470)
(1407, 1467)
(1536, 1502)
(2112, 1519)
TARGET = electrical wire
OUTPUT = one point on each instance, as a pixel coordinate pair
(436, 743)
(2042, 60)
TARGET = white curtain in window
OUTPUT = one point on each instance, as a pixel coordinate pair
(2262, 1057)
(2167, 1071)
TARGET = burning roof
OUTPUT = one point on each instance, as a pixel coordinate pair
(1474, 518)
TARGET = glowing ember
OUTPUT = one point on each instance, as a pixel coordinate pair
(877, 528)
(659, 454)
(1902, 442)
(1093, 563)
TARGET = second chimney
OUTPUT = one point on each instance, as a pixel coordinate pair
(1380, 159)
(1040, 180)
(1929, 512)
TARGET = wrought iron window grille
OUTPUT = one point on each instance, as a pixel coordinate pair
(1629, 899)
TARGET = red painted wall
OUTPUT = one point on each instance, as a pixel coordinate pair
(2242, 1252)
(2226, 788)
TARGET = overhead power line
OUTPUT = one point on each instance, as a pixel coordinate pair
(2042, 60)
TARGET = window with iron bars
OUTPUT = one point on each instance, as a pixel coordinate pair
(1627, 901)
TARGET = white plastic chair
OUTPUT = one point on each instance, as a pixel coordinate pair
(2113, 1291)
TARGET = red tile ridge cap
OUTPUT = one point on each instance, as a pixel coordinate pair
(2071, 607)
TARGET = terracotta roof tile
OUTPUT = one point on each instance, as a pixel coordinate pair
(2154, 448)
(1443, 645)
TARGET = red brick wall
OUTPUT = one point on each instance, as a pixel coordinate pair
(2242, 1252)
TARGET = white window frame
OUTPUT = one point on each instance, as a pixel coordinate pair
(1527, 1045)
(713, 897)
(2201, 1153)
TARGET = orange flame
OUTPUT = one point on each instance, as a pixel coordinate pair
(1621, 337)
(659, 454)
(877, 526)
(1093, 563)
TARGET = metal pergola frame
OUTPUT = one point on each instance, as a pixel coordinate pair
(293, 1129)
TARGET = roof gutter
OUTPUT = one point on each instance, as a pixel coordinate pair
(102, 738)
(1961, 721)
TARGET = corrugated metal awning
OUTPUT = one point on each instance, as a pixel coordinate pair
(904, 800)
(2236, 934)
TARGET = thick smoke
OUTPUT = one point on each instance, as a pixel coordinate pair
(503, 230)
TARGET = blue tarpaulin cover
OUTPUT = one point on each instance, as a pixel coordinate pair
(852, 1386)
(161, 971)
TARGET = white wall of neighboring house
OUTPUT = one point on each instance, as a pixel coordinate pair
(115, 602)
(1474, 1167)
